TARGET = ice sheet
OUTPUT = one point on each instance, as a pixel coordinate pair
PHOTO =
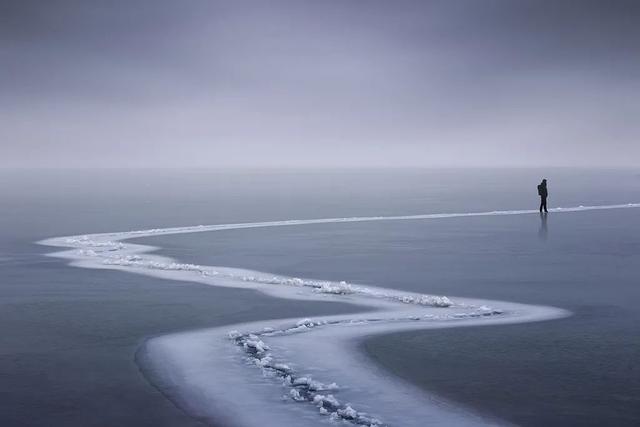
(297, 371)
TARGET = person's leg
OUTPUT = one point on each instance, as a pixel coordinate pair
(544, 203)
(541, 203)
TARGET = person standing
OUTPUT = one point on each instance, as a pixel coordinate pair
(543, 193)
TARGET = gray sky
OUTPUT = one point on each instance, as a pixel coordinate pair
(160, 83)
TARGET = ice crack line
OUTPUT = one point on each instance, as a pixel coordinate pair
(394, 310)
(294, 222)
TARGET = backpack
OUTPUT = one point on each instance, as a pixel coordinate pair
(540, 190)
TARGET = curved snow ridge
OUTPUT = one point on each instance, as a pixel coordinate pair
(303, 388)
(283, 372)
(320, 286)
(202, 373)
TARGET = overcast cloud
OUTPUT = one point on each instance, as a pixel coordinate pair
(162, 83)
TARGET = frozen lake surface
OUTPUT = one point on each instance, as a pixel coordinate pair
(550, 372)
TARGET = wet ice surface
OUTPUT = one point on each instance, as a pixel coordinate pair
(214, 375)
(63, 322)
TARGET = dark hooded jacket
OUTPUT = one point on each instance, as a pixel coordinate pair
(542, 189)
